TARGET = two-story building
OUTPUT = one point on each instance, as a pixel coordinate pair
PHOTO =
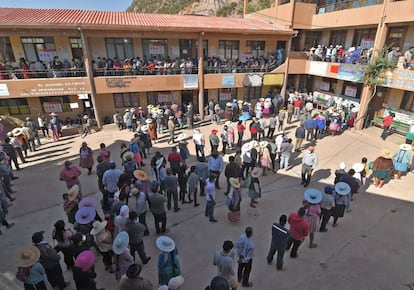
(75, 61)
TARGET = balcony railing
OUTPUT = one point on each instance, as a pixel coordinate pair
(17, 74)
(348, 4)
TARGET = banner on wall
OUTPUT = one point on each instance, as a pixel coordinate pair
(252, 81)
(318, 68)
(351, 72)
(47, 54)
(156, 48)
(273, 79)
(52, 107)
(367, 43)
(190, 82)
(228, 81)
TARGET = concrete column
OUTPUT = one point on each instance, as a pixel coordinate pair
(89, 73)
(200, 77)
(283, 89)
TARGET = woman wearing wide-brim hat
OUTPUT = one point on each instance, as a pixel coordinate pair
(103, 239)
(312, 198)
(234, 200)
(86, 157)
(341, 196)
(84, 271)
(255, 190)
(401, 159)
(30, 271)
(123, 258)
(168, 264)
(382, 167)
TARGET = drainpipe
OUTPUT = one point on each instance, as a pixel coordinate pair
(89, 74)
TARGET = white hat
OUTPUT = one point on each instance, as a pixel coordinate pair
(165, 244)
(181, 137)
(148, 121)
(358, 167)
(247, 147)
(228, 123)
(342, 165)
(171, 117)
(175, 282)
(228, 104)
(263, 144)
(405, 147)
(144, 128)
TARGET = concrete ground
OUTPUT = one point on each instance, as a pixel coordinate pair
(370, 249)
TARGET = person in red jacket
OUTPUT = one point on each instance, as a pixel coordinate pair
(299, 230)
(387, 124)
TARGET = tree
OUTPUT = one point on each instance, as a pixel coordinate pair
(375, 75)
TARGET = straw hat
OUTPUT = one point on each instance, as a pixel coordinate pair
(140, 175)
(85, 260)
(247, 147)
(254, 143)
(85, 215)
(52, 114)
(313, 196)
(165, 244)
(358, 167)
(27, 256)
(256, 172)
(240, 101)
(355, 109)
(228, 104)
(263, 144)
(121, 242)
(342, 188)
(181, 137)
(17, 131)
(342, 165)
(148, 121)
(88, 202)
(170, 117)
(127, 156)
(385, 153)
(234, 182)
(73, 192)
(406, 147)
(98, 227)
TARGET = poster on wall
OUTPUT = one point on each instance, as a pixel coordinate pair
(52, 107)
(155, 48)
(324, 86)
(190, 82)
(4, 90)
(318, 68)
(47, 54)
(225, 96)
(351, 72)
(367, 43)
(245, 56)
(351, 91)
(273, 79)
(228, 81)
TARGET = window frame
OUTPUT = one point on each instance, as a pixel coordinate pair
(230, 46)
(22, 109)
(127, 100)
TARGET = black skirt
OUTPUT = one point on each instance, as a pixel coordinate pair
(338, 210)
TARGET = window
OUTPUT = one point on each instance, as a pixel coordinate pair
(363, 35)
(312, 39)
(14, 106)
(55, 104)
(352, 90)
(120, 48)
(152, 98)
(256, 47)
(155, 47)
(396, 36)
(407, 103)
(39, 48)
(251, 93)
(226, 95)
(126, 100)
(76, 47)
(6, 51)
(338, 37)
(228, 49)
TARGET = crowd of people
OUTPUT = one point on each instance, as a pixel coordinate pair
(135, 183)
(154, 65)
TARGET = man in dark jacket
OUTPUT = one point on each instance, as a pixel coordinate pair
(135, 232)
(232, 170)
(280, 236)
(49, 259)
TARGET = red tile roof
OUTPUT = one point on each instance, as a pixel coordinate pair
(66, 18)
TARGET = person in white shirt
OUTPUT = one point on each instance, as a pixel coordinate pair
(199, 142)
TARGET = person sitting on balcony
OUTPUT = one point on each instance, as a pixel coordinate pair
(24, 68)
(340, 54)
(318, 53)
(394, 54)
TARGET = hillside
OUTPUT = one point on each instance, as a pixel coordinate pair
(224, 8)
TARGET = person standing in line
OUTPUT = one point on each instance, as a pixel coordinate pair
(190, 115)
(171, 129)
(310, 127)
(225, 138)
(245, 252)
(202, 171)
(135, 232)
(214, 140)
(280, 236)
(215, 166)
(133, 281)
(230, 134)
(290, 109)
(232, 170)
(309, 163)
(122, 256)
(299, 230)
(86, 157)
(168, 263)
(224, 260)
(240, 132)
(156, 201)
(285, 152)
(171, 182)
(69, 174)
(327, 206)
(192, 185)
(210, 198)
(312, 212)
(41, 121)
(272, 127)
(199, 143)
(299, 136)
(11, 151)
(281, 119)
(103, 239)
